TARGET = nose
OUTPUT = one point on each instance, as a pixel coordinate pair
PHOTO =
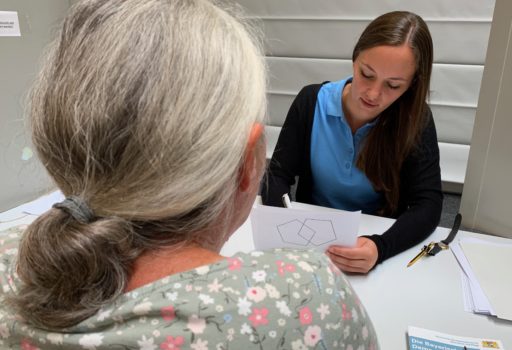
(373, 92)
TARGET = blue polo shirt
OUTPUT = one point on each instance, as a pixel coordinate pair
(337, 182)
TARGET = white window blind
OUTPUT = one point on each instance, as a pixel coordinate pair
(311, 41)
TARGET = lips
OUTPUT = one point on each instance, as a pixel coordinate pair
(368, 104)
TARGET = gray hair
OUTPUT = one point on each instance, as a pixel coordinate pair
(143, 109)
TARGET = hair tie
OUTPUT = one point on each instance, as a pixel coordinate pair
(77, 208)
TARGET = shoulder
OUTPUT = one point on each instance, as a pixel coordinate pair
(9, 242)
(286, 254)
(429, 128)
(305, 264)
(287, 268)
(309, 93)
(310, 90)
(427, 141)
(10, 239)
(304, 104)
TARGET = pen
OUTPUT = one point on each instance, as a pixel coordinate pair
(286, 201)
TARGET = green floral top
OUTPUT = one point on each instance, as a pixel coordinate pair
(284, 299)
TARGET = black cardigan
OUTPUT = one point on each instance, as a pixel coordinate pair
(420, 199)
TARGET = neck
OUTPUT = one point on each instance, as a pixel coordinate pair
(154, 265)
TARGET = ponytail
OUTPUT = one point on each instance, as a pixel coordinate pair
(69, 269)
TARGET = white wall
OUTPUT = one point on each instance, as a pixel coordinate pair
(307, 42)
(21, 176)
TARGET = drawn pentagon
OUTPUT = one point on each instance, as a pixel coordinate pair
(324, 231)
(290, 233)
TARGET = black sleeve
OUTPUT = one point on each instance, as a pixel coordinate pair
(291, 155)
(421, 198)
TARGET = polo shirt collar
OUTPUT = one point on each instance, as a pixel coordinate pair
(334, 108)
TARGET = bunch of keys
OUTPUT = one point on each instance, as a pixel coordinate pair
(435, 247)
(431, 249)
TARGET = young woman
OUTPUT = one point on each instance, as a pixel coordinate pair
(148, 115)
(368, 142)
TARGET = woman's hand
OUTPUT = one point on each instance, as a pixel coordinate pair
(359, 259)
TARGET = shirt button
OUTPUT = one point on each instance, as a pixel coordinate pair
(347, 165)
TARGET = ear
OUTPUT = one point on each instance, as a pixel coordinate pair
(251, 158)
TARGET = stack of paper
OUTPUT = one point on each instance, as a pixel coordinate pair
(486, 279)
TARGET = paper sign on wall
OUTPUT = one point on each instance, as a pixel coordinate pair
(9, 24)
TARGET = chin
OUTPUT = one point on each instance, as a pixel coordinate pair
(369, 114)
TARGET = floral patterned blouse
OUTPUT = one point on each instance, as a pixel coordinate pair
(284, 299)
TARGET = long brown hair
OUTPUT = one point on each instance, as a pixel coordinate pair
(399, 127)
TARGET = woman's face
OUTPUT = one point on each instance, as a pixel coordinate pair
(381, 75)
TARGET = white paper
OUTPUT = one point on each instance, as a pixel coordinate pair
(42, 204)
(304, 206)
(274, 227)
(491, 263)
(466, 293)
(480, 302)
(9, 24)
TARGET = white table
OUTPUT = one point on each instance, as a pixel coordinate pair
(427, 294)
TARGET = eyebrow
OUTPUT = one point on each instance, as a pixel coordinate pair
(392, 78)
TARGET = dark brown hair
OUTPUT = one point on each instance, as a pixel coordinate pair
(399, 127)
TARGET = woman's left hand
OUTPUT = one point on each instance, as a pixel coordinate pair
(359, 259)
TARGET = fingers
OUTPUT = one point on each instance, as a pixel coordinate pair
(350, 265)
(349, 253)
(359, 259)
(364, 249)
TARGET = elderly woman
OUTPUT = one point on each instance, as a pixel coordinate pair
(147, 115)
